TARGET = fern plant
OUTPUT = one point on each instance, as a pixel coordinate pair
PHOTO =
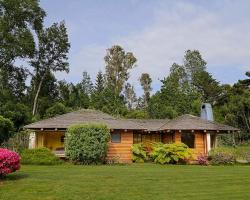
(171, 153)
(139, 153)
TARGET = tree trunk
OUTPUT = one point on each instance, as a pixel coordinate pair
(36, 97)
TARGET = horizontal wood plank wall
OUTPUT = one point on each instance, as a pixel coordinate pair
(199, 143)
(200, 146)
(167, 138)
(177, 137)
(121, 150)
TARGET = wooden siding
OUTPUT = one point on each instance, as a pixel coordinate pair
(177, 137)
(200, 147)
(121, 150)
(167, 137)
(199, 143)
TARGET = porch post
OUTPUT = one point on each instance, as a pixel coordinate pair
(208, 137)
(32, 140)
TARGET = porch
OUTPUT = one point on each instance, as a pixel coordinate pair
(53, 140)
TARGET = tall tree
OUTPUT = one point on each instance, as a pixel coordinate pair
(146, 81)
(18, 18)
(48, 94)
(118, 63)
(246, 82)
(19, 21)
(51, 55)
(86, 83)
(130, 96)
(97, 96)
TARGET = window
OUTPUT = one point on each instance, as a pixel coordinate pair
(62, 138)
(137, 138)
(116, 137)
(188, 139)
(146, 137)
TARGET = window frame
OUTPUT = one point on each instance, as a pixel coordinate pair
(190, 135)
(119, 137)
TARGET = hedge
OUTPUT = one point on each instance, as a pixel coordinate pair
(87, 143)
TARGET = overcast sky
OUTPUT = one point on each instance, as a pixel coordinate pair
(157, 32)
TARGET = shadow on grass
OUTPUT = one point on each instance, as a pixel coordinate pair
(14, 177)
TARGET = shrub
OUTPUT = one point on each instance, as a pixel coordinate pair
(9, 162)
(139, 153)
(202, 159)
(222, 156)
(6, 129)
(39, 156)
(243, 153)
(18, 142)
(171, 153)
(87, 143)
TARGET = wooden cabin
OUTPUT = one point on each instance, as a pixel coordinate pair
(197, 133)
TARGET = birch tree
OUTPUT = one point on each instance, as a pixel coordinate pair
(51, 55)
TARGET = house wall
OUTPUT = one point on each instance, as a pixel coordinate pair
(167, 137)
(199, 143)
(122, 150)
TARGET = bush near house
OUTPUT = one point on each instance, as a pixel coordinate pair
(39, 156)
(139, 153)
(202, 159)
(6, 129)
(9, 162)
(222, 156)
(87, 143)
(243, 153)
(162, 153)
(174, 153)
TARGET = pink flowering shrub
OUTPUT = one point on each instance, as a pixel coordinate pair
(202, 159)
(9, 162)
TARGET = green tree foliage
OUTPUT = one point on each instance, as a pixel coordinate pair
(118, 63)
(48, 94)
(136, 114)
(50, 56)
(86, 84)
(87, 143)
(6, 129)
(146, 81)
(18, 113)
(130, 96)
(233, 108)
(56, 109)
(185, 88)
(246, 82)
(18, 18)
(97, 96)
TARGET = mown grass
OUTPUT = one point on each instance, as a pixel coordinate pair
(133, 182)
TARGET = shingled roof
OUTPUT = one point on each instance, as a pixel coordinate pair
(84, 116)
(191, 122)
(151, 124)
(184, 122)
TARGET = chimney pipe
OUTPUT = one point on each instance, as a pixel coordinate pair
(207, 114)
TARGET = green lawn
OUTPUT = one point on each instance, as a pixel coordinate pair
(128, 182)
